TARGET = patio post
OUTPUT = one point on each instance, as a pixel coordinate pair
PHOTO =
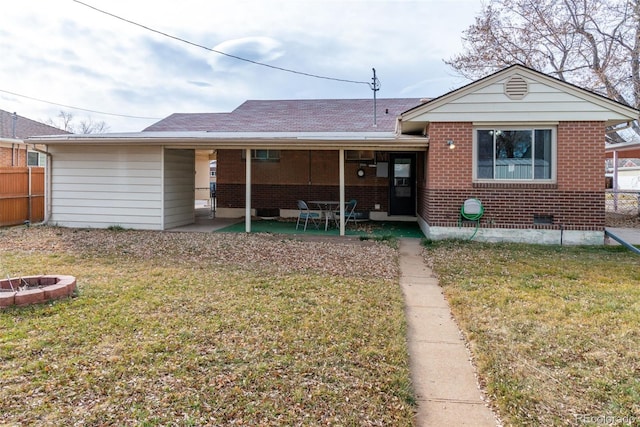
(247, 197)
(342, 196)
(615, 180)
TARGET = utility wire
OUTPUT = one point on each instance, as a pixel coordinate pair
(220, 52)
(78, 108)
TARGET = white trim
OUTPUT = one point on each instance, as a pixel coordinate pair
(253, 140)
(247, 195)
(505, 123)
(163, 189)
(342, 190)
(554, 155)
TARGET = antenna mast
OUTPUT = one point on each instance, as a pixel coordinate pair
(375, 86)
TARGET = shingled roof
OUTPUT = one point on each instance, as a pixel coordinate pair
(24, 127)
(313, 115)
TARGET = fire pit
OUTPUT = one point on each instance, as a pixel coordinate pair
(29, 290)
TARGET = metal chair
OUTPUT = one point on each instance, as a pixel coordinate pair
(350, 211)
(306, 215)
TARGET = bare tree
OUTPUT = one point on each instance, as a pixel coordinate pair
(591, 43)
(89, 126)
(65, 121)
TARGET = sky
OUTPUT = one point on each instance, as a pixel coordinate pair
(77, 58)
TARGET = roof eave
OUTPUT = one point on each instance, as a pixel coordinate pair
(327, 141)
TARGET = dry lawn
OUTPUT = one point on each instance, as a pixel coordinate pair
(555, 331)
(204, 329)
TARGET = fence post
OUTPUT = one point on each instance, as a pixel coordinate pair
(29, 207)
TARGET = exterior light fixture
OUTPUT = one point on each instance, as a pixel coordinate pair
(451, 144)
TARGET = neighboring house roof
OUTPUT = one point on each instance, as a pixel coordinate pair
(518, 94)
(24, 127)
(313, 115)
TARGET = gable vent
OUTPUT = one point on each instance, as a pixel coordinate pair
(516, 87)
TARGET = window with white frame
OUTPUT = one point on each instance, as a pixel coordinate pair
(516, 154)
(35, 159)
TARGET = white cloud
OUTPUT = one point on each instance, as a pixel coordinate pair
(258, 49)
(70, 54)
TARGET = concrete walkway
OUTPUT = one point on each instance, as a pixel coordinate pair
(443, 377)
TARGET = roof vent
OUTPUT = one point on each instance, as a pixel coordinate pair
(516, 87)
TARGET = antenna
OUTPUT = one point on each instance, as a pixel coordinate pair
(375, 86)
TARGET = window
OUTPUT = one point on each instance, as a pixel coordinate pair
(272, 155)
(35, 159)
(514, 154)
(359, 155)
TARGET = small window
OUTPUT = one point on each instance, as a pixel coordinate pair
(264, 155)
(543, 219)
(359, 155)
(514, 154)
(35, 159)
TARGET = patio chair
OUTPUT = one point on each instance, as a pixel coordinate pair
(306, 215)
(349, 212)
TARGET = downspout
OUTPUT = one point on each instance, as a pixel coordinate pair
(14, 119)
(47, 184)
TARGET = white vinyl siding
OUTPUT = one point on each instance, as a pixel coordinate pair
(545, 101)
(102, 186)
(179, 187)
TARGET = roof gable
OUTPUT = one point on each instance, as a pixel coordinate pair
(519, 94)
(313, 115)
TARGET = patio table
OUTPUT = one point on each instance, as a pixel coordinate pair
(328, 208)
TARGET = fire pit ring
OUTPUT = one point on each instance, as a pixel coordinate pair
(22, 291)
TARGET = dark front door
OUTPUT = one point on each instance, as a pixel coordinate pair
(402, 185)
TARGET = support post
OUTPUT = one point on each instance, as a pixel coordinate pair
(615, 181)
(247, 197)
(342, 193)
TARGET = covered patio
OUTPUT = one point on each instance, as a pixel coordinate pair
(206, 223)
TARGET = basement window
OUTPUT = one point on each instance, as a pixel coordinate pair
(543, 219)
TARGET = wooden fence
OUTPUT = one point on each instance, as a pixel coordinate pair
(21, 195)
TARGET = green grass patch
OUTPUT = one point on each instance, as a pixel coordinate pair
(555, 331)
(155, 340)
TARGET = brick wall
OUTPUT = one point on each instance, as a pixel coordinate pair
(581, 156)
(306, 175)
(9, 157)
(448, 168)
(575, 201)
(285, 196)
